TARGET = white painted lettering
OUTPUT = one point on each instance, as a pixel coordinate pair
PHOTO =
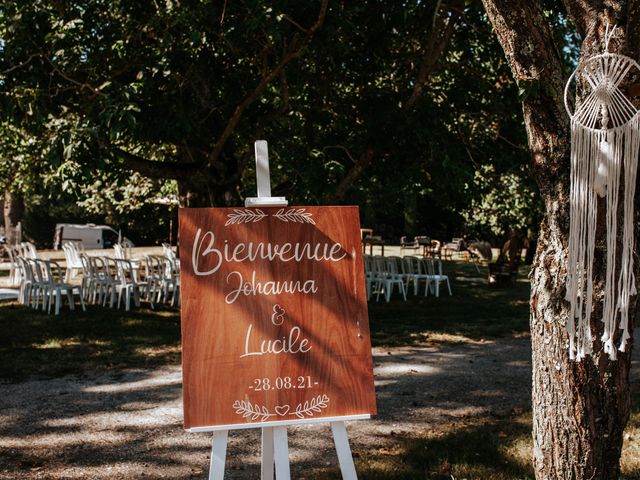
(204, 246)
(270, 287)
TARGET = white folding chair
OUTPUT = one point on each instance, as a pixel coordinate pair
(119, 251)
(436, 277)
(127, 283)
(388, 274)
(27, 282)
(370, 277)
(15, 266)
(105, 276)
(72, 257)
(39, 285)
(414, 273)
(54, 285)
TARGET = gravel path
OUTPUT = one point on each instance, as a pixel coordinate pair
(129, 424)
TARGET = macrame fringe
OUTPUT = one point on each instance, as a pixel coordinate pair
(599, 158)
(605, 142)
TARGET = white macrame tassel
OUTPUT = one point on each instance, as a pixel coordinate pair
(627, 280)
(605, 143)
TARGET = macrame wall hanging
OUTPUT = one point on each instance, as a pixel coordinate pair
(605, 140)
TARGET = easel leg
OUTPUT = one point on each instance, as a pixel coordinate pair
(341, 440)
(266, 472)
(218, 455)
(281, 450)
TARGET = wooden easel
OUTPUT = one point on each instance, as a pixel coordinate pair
(275, 447)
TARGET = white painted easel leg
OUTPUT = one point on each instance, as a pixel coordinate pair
(218, 455)
(281, 451)
(266, 472)
(341, 441)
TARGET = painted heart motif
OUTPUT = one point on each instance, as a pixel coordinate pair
(282, 410)
(277, 317)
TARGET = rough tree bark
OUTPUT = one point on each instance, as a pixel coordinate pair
(579, 409)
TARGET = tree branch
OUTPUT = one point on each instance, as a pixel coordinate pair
(353, 174)
(160, 170)
(82, 85)
(294, 23)
(295, 51)
(582, 12)
(20, 65)
(440, 37)
(343, 148)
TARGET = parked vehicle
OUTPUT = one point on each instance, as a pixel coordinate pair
(91, 236)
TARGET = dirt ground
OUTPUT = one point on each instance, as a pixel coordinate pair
(129, 424)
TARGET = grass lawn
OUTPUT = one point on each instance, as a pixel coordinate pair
(34, 344)
(499, 449)
(475, 311)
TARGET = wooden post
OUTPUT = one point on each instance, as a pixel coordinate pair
(281, 451)
(218, 455)
(263, 181)
(266, 471)
(341, 440)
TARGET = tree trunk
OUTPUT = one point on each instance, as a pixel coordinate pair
(579, 409)
(13, 214)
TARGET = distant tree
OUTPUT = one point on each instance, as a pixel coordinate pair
(502, 201)
(181, 93)
(155, 88)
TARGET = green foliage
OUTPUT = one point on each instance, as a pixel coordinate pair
(129, 202)
(81, 80)
(99, 339)
(501, 202)
(121, 196)
(17, 150)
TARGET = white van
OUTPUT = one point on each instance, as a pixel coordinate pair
(91, 236)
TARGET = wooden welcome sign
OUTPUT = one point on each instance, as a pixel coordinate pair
(274, 317)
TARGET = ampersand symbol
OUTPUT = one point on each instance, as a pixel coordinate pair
(277, 317)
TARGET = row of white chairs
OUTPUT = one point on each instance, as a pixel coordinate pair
(105, 278)
(383, 274)
(15, 252)
(163, 279)
(73, 250)
(42, 282)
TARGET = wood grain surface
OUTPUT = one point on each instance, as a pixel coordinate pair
(274, 315)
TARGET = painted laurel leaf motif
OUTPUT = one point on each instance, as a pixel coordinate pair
(244, 216)
(310, 408)
(251, 411)
(299, 215)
